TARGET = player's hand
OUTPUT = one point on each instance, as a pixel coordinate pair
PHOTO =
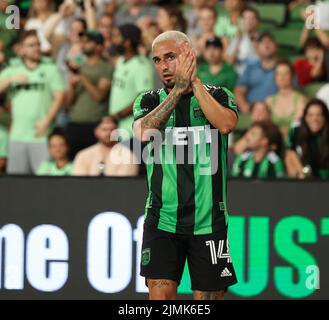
(74, 80)
(41, 128)
(184, 69)
(66, 9)
(194, 77)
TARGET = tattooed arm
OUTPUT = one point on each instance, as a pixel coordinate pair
(144, 127)
(155, 120)
(220, 112)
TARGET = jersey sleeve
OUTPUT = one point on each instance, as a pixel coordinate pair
(279, 169)
(225, 97)
(291, 139)
(56, 82)
(145, 103)
(236, 166)
(5, 73)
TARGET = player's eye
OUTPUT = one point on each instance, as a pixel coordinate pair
(156, 61)
(171, 57)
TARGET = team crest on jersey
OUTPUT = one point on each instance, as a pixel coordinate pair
(146, 256)
(197, 113)
(232, 102)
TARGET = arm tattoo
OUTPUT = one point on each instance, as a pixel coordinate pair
(212, 295)
(159, 284)
(159, 116)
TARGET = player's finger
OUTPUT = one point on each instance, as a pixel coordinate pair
(183, 65)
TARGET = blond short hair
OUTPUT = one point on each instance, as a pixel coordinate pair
(171, 35)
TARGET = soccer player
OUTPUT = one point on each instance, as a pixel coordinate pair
(186, 212)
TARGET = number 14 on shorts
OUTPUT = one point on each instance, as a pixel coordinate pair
(219, 253)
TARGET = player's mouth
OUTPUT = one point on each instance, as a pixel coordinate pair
(168, 77)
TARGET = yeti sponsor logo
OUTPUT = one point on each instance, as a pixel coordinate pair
(197, 113)
(180, 136)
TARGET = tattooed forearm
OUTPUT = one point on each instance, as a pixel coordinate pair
(160, 115)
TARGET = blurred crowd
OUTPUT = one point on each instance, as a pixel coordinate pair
(70, 73)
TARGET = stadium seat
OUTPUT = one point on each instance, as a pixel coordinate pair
(266, 26)
(312, 89)
(295, 20)
(288, 37)
(272, 12)
(287, 52)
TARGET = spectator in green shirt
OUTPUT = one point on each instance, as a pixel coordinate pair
(133, 75)
(229, 20)
(262, 159)
(215, 70)
(59, 165)
(35, 88)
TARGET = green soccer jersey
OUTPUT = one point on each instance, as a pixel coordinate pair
(49, 168)
(245, 166)
(130, 78)
(187, 166)
(31, 101)
(226, 77)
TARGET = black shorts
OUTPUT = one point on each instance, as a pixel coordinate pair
(209, 262)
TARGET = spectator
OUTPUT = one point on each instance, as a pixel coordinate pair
(207, 20)
(215, 70)
(89, 87)
(3, 148)
(228, 23)
(260, 111)
(287, 105)
(106, 157)
(323, 94)
(59, 165)
(308, 143)
(134, 10)
(319, 24)
(71, 49)
(262, 160)
(105, 28)
(36, 92)
(170, 17)
(103, 23)
(192, 16)
(47, 22)
(312, 67)
(133, 74)
(257, 81)
(150, 30)
(241, 50)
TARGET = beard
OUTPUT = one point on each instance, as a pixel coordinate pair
(168, 84)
